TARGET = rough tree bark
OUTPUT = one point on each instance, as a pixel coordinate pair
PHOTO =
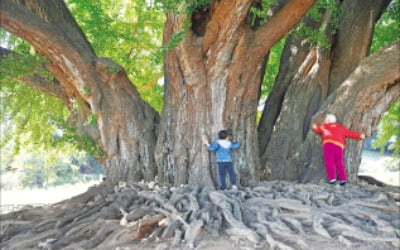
(369, 90)
(209, 88)
(127, 124)
(311, 79)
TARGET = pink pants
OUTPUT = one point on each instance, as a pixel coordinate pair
(333, 157)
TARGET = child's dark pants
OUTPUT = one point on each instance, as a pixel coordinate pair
(222, 167)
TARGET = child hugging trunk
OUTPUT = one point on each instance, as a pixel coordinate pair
(334, 142)
(223, 148)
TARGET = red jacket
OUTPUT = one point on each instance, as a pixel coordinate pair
(336, 133)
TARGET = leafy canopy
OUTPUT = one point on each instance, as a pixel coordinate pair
(33, 120)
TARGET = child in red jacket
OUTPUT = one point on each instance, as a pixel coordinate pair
(334, 141)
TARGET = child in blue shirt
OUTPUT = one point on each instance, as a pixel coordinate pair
(223, 147)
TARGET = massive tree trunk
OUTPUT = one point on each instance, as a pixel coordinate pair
(100, 87)
(315, 80)
(209, 87)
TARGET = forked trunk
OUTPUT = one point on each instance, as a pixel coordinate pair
(212, 82)
(311, 80)
(206, 91)
(360, 102)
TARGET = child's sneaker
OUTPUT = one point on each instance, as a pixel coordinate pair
(343, 183)
(332, 181)
(234, 187)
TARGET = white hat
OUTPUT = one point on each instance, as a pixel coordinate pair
(330, 118)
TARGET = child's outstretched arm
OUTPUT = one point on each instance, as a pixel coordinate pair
(316, 128)
(213, 147)
(235, 145)
(354, 134)
(205, 141)
(210, 147)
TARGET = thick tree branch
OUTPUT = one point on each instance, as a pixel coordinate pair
(377, 84)
(54, 89)
(49, 27)
(362, 14)
(77, 119)
(45, 19)
(279, 25)
(36, 81)
(226, 17)
(52, 31)
(312, 63)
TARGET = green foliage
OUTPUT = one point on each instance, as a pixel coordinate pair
(389, 129)
(69, 170)
(259, 11)
(30, 116)
(63, 173)
(175, 40)
(68, 135)
(34, 173)
(38, 170)
(16, 66)
(271, 72)
(186, 7)
(387, 29)
(113, 70)
(316, 34)
(181, 7)
(86, 90)
(130, 33)
(6, 160)
(92, 120)
(27, 114)
(272, 68)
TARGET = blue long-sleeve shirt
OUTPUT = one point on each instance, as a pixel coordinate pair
(223, 149)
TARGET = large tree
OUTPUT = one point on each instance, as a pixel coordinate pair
(212, 81)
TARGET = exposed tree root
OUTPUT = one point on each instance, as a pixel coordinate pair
(274, 215)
